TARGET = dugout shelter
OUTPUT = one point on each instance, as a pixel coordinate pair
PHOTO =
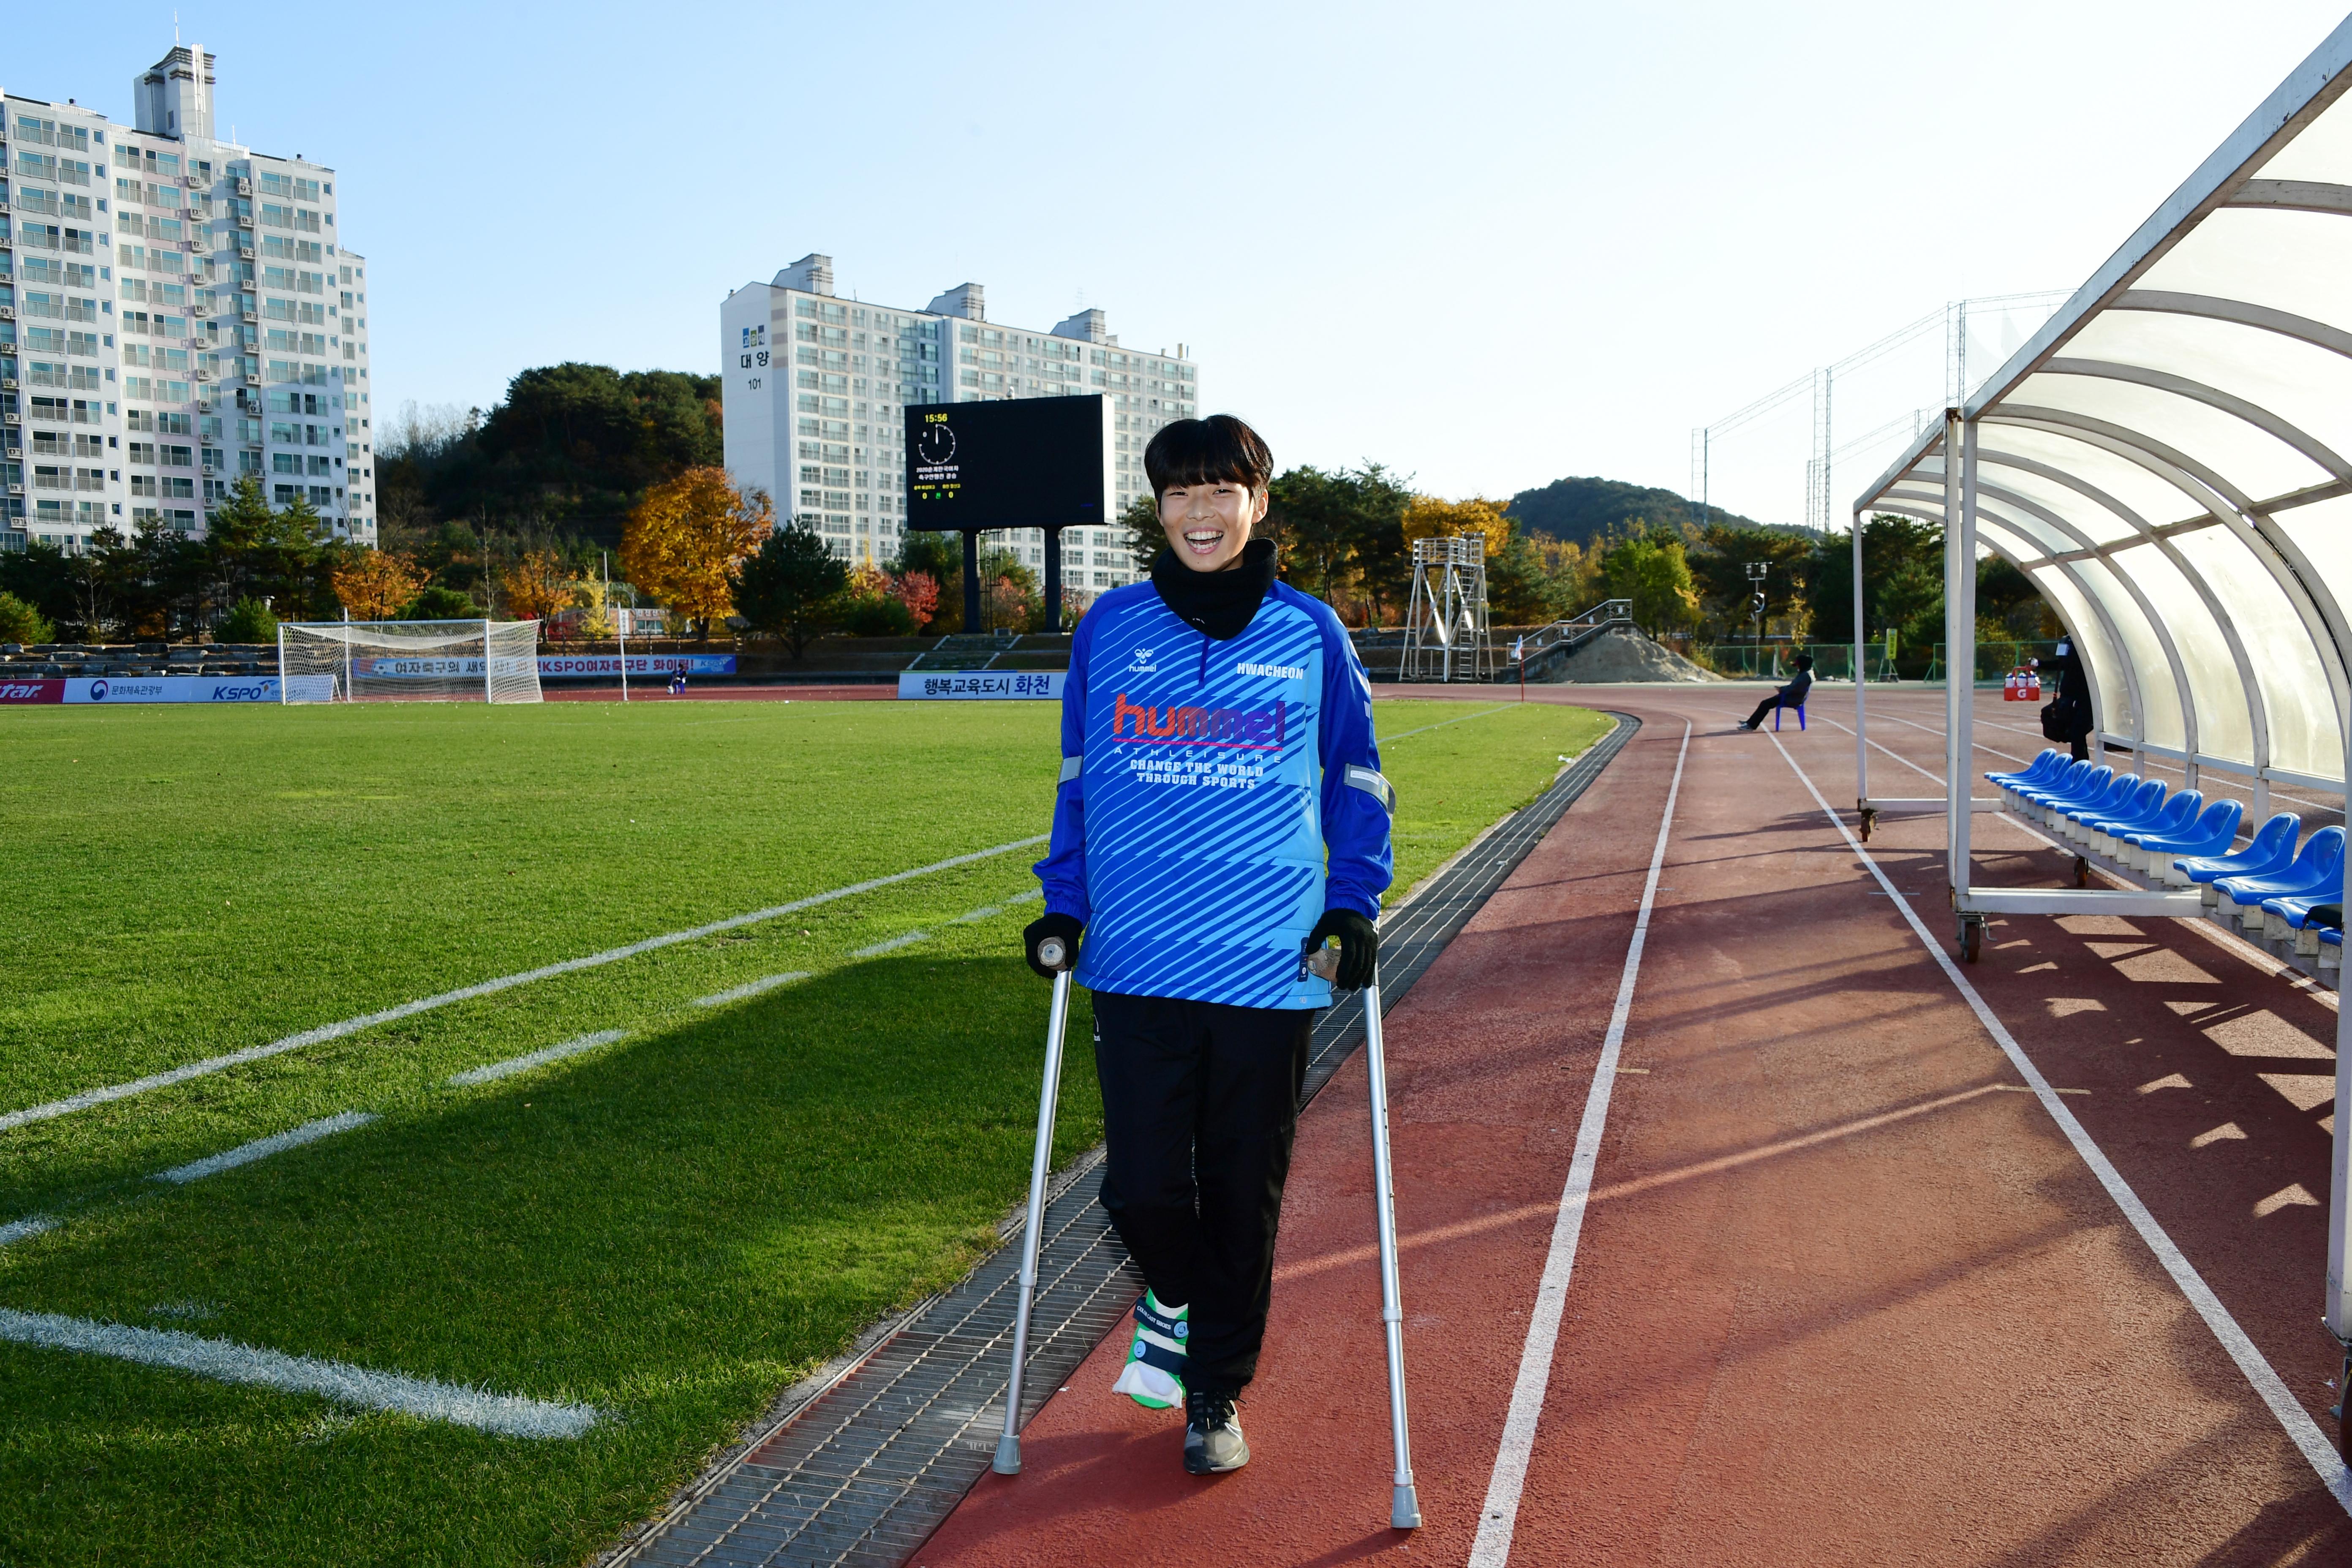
(2164, 460)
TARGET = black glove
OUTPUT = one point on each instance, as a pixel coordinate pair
(1064, 926)
(1360, 946)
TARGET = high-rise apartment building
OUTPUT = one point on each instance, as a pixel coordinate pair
(816, 385)
(175, 310)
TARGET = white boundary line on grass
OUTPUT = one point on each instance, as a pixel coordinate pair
(1425, 729)
(1500, 1515)
(262, 1147)
(2300, 1429)
(225, 1361)
(494, 1071)
(26, 1228)
(89, 1098)
(750, 988)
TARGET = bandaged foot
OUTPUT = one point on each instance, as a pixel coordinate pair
(1154, 1373)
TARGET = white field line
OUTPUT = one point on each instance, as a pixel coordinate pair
(1500, 1515)
(1425, 729)
(26, 1228)
(262, 1147)
(750, 988)
(892, 945)
(541, 1057)
(325, 1032)
(225, 1361)
(2301, 1429)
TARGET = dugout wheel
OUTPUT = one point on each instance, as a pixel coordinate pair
(2082, 871)
(1971, 937)
(2343, 1399)
(1869, 821)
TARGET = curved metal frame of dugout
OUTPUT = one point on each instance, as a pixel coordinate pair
(2164, 462)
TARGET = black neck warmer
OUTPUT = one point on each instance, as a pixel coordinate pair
(1218, 605)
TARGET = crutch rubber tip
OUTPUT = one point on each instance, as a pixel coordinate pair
(1404, 1510)
(1008, 1455)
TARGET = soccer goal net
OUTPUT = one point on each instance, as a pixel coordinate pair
(408, 661)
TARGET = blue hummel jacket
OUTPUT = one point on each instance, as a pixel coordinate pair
(1215, 798)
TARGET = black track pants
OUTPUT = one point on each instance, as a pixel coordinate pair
(1200, 1104)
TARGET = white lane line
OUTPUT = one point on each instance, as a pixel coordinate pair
(262, 1147)
(1500, 1515)
(892, 945)
(1425, 729)
(750, 988)
(2301, 1429)
(325, 1032)
(225, 1361)
(541, 1057)
(26, 1228)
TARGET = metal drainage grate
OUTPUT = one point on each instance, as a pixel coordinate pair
(868, 1464)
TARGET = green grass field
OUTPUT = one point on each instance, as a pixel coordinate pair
(669, 1227)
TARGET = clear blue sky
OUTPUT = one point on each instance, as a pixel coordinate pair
(1487, 245)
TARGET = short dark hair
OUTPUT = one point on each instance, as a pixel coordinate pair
(1804, 661)
(1205, 451)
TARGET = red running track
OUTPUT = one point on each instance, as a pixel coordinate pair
(1845, 1293)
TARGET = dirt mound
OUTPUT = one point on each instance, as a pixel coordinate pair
(1621, 654)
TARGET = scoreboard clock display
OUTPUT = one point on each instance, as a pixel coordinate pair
(1023, 462)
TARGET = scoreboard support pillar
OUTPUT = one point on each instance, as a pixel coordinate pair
(971, 580)
(1053, 581)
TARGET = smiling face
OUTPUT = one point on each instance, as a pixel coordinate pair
(1208, 523)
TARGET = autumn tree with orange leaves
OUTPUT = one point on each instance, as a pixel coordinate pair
(376, 584)
(537, 587)
(683, 541)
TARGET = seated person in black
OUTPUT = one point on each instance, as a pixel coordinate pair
(1789, 696)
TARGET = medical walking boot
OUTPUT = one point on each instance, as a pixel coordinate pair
(1154, 1373)
(1213, 1434)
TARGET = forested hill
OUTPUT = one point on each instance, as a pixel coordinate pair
(1580, 510)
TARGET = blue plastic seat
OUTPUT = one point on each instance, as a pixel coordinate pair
(2041, 770)
(2211, 836)
(2110, 802)
(2080, 778)
(2179, 808)
(2273, 850)
(2144, 802)
(2316, 867)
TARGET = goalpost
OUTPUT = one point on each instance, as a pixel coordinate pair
(408, 661)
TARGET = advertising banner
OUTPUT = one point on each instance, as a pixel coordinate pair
(13, 692)
(122, 689)
(575, 667)
(966, 685)
(410, 667)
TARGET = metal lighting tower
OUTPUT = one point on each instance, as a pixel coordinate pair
(1446, 635)
(1756, 573)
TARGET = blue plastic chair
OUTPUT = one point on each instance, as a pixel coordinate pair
(2212, 837)
(2273, 850)
(2079, 788)
(2174, 815)
(1778, 708)
(2145, 803)
(2075, 775)
(2318, 866)
(2108, 803)
(2041, 770)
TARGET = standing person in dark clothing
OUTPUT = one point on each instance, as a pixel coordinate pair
(2068, 717)
(1789, 696)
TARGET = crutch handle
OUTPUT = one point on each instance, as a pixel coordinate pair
(1052, 952)
(1325, 961)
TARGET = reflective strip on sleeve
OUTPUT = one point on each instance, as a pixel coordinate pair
(1071, 767)
(1372, 785)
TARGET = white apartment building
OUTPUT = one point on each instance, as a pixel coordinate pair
(175, 310)
(816, 387)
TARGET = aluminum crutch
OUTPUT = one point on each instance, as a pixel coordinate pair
(1404, 1503)
(1052, 953)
